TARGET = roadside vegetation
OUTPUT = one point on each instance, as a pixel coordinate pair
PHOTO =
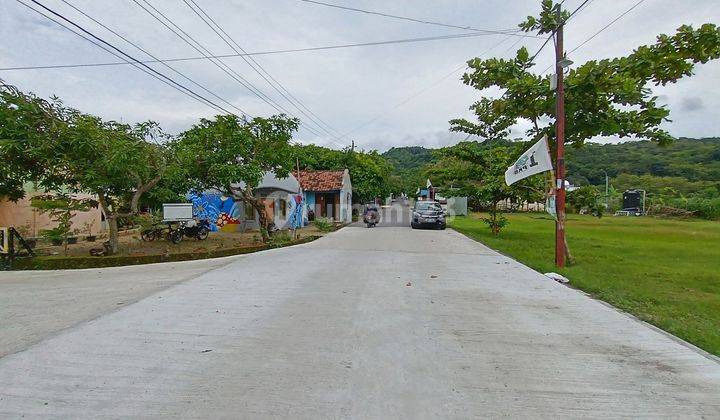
(664, 271)
(131, 169)
(132, 250)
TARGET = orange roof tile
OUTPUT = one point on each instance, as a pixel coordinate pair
(321, 180)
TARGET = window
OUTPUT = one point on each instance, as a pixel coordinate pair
(283, 207)
(427, 205)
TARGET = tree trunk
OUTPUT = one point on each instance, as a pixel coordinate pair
(262, 219)
(257, 204)
(569, 259)
(493, 218)
(113, 233)
(111, 218)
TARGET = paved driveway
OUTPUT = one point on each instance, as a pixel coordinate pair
(364, 323)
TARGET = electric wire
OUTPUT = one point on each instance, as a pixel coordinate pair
(302, 105)
(257, 67)
(109, 48)
(200, 48)
(258, 53)
(552, 35)
(154, 57)
(510, 32)
(612, 22)
(427, 88)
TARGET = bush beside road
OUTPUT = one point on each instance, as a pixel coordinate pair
(133, 251)
(665, 272)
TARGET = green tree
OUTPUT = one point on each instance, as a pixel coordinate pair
(61, 207)
(25, 121)
(60, 148)
(477, 170)
(231, 154)
(369, 171)
(586, 198)
(609, 97)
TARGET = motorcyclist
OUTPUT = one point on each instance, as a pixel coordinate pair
(370, 214)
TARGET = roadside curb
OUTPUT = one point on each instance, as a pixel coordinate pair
(65, 263)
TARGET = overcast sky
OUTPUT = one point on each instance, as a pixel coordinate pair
(380, 96)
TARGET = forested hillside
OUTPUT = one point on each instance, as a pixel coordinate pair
(683, 175)
(692, 159)
(408, 157)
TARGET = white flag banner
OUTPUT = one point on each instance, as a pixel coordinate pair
(533, 161)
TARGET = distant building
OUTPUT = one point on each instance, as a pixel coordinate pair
(327, 193)
(29, 221)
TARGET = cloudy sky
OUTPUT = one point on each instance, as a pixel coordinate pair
(379, 96)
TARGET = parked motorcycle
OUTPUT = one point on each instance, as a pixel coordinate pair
(196, 229)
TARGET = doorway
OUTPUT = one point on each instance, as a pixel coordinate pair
(325, 205)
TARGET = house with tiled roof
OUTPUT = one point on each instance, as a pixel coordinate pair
(327, 194)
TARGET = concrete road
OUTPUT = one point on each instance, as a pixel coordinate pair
(36, 304)
(364, 323)
(395, 215)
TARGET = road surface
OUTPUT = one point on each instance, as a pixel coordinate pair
(363, 323)
(36, 304)
(395, 215)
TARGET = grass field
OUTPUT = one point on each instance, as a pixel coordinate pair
(665, 272)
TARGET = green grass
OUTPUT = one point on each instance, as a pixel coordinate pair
(665, 272)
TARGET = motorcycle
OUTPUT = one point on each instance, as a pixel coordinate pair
(371, 217)
(192, 229)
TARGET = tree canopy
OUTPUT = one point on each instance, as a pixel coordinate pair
(231, 154)
(477, 170)
(58, 147)
(369, 170)
(609, 97)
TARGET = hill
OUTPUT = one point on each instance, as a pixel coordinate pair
(692, 159)
(410, 157)
(695, 160)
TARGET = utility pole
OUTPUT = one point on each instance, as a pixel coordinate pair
(607, 188)
(560, 256)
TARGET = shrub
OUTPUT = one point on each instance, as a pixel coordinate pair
(279, 239)
(495, 222)
(586, 198)
(324, 224)
(708, 208)
(147, 221)
(659, 210)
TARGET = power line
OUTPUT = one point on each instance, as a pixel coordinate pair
(265, 71)
(601, 30)
(104, 45)
(187, 38)
(285, 51)
(510, 32)
(257, 67)
(154, 57)
(555, 30)
(427, 88)
(608, 25)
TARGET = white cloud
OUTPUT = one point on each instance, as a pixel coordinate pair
(403, 91)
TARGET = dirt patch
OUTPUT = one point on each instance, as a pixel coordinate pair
(131, 245)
